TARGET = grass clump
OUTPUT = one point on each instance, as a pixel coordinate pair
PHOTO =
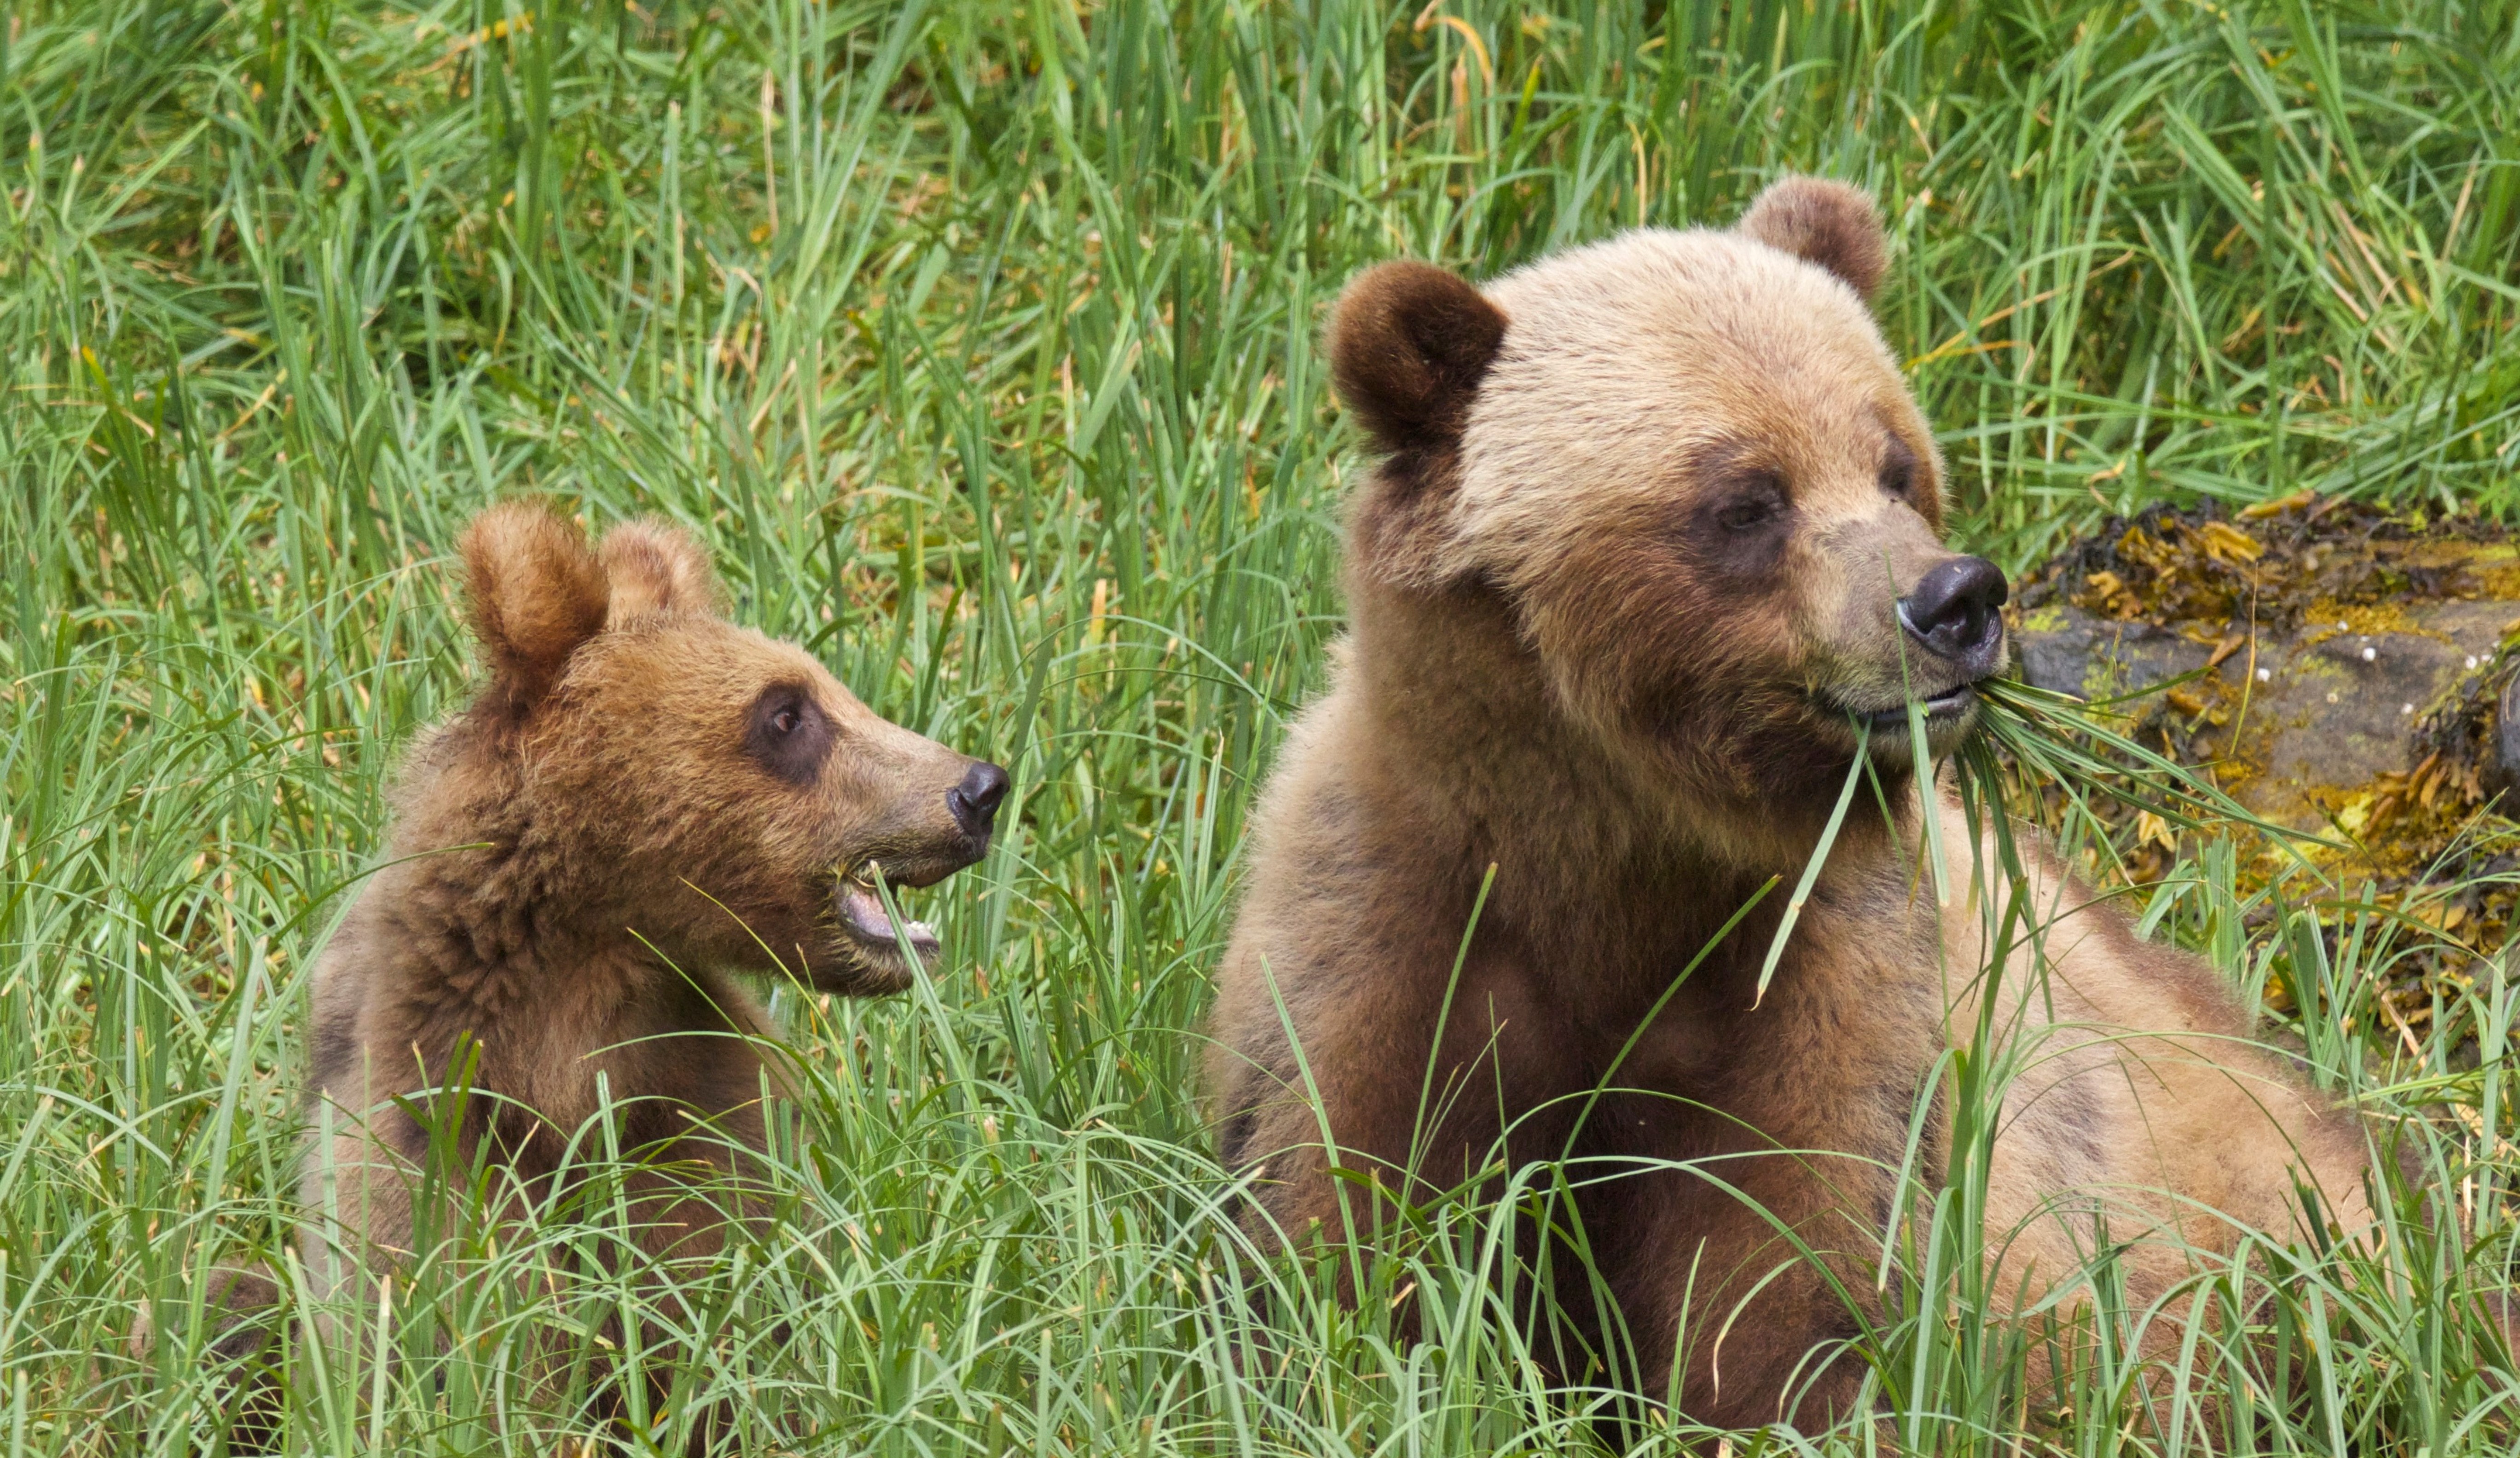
(976, 340)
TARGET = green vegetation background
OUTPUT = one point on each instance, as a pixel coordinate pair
(978, 341)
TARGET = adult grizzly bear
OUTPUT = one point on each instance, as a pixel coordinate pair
(1657, 523)
(642, 800)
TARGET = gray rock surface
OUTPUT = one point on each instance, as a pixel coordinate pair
(2292, 721)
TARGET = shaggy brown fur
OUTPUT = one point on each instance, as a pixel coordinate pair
(1608, 638)
(643, 800)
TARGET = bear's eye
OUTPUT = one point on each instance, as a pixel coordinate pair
(787, 733)
(1899, 470)
(1741, 516)
(1754, 506)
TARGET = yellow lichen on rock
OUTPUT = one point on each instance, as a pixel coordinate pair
(2334, 669)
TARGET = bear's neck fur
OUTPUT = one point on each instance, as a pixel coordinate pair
(485, 928)
(1596, 989)
(1461, 727)
(497, 900)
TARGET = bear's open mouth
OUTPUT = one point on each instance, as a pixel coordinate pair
(862, 915)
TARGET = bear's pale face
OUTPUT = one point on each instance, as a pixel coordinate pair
(1695, 469)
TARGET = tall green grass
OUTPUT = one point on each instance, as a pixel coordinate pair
(978, 342)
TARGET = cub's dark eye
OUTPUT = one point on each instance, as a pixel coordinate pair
(786, 734)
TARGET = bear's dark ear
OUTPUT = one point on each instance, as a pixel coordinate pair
(655, 567)
(1823, 222)
(1409, 344)
(537, 593)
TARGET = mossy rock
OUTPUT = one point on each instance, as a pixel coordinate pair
(2318, 653)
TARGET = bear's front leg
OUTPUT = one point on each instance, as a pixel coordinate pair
(1743, 1279)
(1360, 1122)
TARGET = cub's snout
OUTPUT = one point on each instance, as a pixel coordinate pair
(974, 802)
(954, 828)
(953, 832)
(902, 815)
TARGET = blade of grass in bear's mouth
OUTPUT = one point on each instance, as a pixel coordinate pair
(1895, 716)
(862, 909)
(1940, 703)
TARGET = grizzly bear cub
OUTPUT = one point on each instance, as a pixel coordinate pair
(1653, 548)
(643, 799)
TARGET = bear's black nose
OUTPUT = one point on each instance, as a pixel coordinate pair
(974, 802)
(1952, 611)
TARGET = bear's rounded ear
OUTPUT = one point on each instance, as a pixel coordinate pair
(1823, 222)
(537, 593)
(1409, 343)
(655, 567)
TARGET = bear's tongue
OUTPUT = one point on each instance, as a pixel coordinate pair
(863, 910)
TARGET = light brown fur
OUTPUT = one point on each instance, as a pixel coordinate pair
(579, 862)
(642, 802)
(1571, 659)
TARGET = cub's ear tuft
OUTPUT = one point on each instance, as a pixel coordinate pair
(655, 567)
(1829, 223)
(537, 593)
(1409, 343)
